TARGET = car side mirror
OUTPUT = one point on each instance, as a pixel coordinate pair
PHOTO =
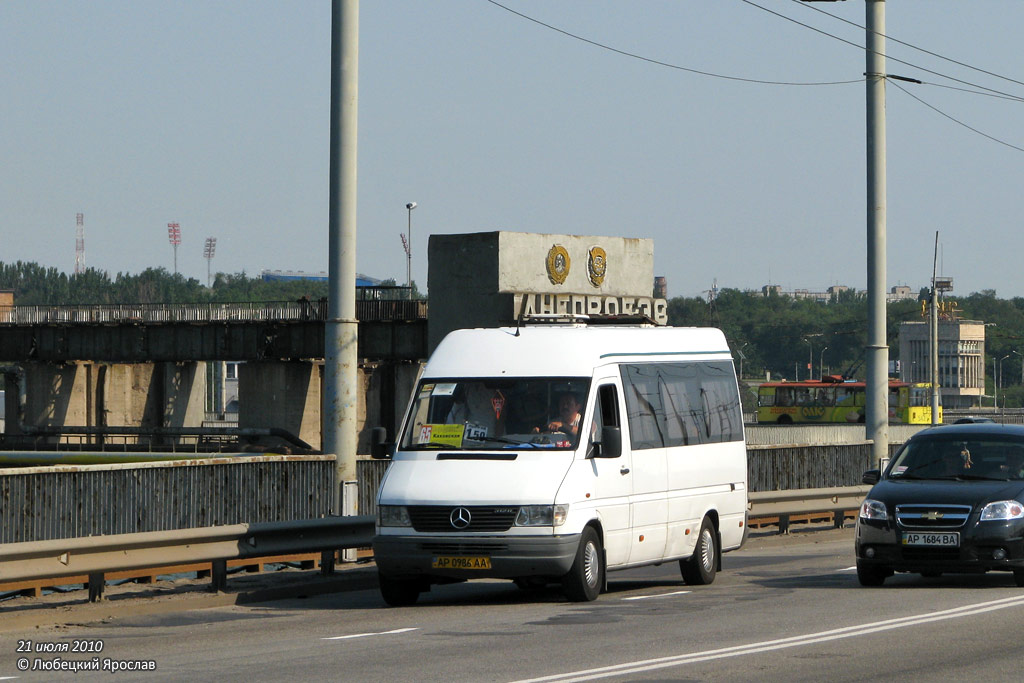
(610, 445)
(871, 476)
(380, 449)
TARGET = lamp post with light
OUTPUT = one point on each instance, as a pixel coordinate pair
(408, 247)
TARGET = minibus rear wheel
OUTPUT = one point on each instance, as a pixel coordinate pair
(700, 568)
(584, 581)
(398, 592)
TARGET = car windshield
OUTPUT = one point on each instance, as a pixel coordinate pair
(498, 413)
(957, 458)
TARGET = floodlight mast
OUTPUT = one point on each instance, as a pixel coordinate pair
(208, 251)
(174, 237)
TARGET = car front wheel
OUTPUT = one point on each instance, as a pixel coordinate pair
(872, 575)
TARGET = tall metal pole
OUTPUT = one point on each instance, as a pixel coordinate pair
(341, 329)
(876, 421)
(933, 332)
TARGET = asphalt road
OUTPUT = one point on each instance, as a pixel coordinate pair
(784, 608)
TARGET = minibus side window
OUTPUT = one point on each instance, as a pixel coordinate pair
(606, 413)
(680, 403)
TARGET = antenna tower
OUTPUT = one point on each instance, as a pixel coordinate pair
(79, 243)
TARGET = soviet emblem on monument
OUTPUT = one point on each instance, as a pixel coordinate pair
(558, 264)
(597, 264)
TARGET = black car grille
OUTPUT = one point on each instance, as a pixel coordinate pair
(438, 518)
(928, 516)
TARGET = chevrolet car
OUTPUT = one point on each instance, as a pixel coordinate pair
(950, 501)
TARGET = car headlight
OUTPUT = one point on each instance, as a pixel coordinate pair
(873, 509)
(393, 515)
(542, 515)
(1002, 510)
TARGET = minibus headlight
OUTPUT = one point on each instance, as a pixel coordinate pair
(393, 515)
(542, 515)
(873, 509)
(1002, 510)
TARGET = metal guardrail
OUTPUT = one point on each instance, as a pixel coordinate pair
(95, 555)
(783, 504)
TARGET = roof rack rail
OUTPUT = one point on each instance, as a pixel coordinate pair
(587, 319)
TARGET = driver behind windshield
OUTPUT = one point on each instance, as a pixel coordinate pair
(568, 419)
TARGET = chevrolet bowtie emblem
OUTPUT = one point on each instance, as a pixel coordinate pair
(931, 515)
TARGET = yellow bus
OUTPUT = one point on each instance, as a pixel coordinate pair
(833, 399)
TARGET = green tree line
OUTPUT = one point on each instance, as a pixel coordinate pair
(35, 285)
(778, 336)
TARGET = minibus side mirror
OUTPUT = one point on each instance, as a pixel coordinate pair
(610, 445)
(380, 449)
(871, 477)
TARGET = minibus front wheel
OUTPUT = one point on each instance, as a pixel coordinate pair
(584, 581)
(700, 568)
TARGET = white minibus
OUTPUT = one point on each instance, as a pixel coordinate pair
(557, 453)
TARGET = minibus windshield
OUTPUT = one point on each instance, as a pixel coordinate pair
(496, 413)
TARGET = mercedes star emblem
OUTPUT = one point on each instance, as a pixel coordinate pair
(460, 518)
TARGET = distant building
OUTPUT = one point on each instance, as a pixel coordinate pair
(898, 293)
(961, 359)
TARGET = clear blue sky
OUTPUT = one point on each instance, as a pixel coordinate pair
(215, 114)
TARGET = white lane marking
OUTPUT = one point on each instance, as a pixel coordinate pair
(782, 643)
(8, 678)
(364, 635)
(849, 569)
(659, 595)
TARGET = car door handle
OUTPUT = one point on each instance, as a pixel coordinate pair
(624, 470)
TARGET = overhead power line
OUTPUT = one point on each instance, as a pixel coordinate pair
(887, 57)
(804, 3)
(954, 120)
(633, 55)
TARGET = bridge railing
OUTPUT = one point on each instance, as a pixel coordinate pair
(368, 307)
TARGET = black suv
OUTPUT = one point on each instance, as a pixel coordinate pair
(951, 500)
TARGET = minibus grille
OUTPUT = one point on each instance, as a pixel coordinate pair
(461, 518)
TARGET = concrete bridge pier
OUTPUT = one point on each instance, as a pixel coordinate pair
(87, 394)
(284, 395)
(289, 395)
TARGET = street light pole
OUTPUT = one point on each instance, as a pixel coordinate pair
(995, 384)
(739, 352)
(821, 361)
(999, 380)
(408, 249)
(810, 359)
